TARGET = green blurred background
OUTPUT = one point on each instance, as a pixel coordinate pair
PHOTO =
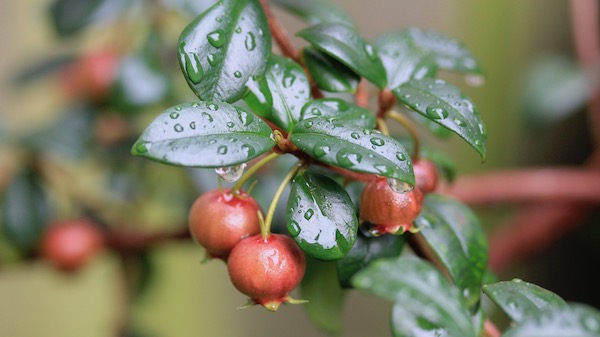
(188, 298)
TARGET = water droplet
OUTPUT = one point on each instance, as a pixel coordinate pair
(174, 114)
(248, 150)
(398, 186)
(260, 32)
(237, 74)
(346, 158)
(245, 118)
(482, 129)
(212, 107)
(193, 68)
(212, 59)
(219, 19)
(195, 105)
(142, 147)
(459, 122)
(355, 135)
(193, 125)
(315, 112)
(222, 149)
(250, 41)
(216, 38)
(288, 79)
(401, 156)
(178, 108)
(208, 116)
(231, 173)
(475, 80)
(238, 29)
(230, 124)
(370, 52)
(294, 228)
(308, 124)
(309, 214)
(212, 141)
(321, 150)
(436, 112)
(377, 141)
(178, 127)
(367, 132)
(478, 142)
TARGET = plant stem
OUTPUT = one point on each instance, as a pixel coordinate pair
(406, 123)
(277, 196)
(279, 34)
(238, 185)
(382, 126)
(361, 98)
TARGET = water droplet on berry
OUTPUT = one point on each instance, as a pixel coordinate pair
(231, 173)
(398, 186)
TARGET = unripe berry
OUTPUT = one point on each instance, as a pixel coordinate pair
(426, 175)
(266, 270)
(219, 219)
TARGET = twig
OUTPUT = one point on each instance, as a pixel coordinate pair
(126, 241)
(279, 34)
(490, 329)
(361, 97)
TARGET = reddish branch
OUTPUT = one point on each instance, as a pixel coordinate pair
(279, 34)
(490, 330)
(129, 241)
(361, 98)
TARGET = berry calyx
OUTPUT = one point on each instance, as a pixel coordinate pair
(219, 219)
(69, 245)
(267, 270)
(390, 211)
(426, 175)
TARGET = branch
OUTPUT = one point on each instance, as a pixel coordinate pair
(490, 330)
(279, 34)
(361, 97)
(127, 241)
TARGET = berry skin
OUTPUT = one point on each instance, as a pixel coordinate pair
(392, 212)
(69, 245)
(267, 270)
(426, 175)
(218, 220)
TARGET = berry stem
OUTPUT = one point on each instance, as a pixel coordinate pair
(406, 123)
(382, 126)
(284, 182)
(238, 185)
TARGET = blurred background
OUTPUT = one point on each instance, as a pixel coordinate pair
(533, 103)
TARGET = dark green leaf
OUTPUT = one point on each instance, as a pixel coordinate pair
(519, 299)
(365, 251)
(344, 145)
(321, 216)
(406, 323)
(343, 43)
(441, 160)
(328, 73)
(433, 127)
(576, 320)
(223, 48)
(321, 288)
(280, 95)
(447, 106)
(341, 110)
(315, 11)
(423, 295)
(449, 53)
(403, 60)
(25, 211)
(71, 16)
(204, 134)
(454, 233)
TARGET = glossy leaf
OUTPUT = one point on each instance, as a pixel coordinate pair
(339, 109)
(427, 300)
(403, 60)
(449, 53)
(576, 320)
(280, 95)
(444, 164)
(204, 134)
(25, 211)
(436, 129)
(223, 48)
(320, 287)
(71, 16)
(315, 11)
(344, 145)
(328, 73)
(519, 299)
(457, 238)
(365, 251)
(405, 323)
(446, 105)
(343, 43)
(321, 216)
(190, 8)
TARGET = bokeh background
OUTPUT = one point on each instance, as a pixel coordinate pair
(517, 42)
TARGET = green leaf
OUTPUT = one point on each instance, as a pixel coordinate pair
(406, 323)
(280, 95)
(457, 238)
(321, 216)
(315, 11)
(447, 106)
(576, 320)
(204, 134)
(343, 43)
(223, 48)
(69, 17)
(403, 60)
(433, 127)
(339, 109)
(519, 299)
(25, 211)
(423, 295)
(449, 53)
(351, 147)
(365, 251)
(328, 73)
(321, 288)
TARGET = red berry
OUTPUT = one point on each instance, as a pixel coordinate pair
(267, 270)
(69, 245)
(392, 212)
(218, 220)
(92, 75)
(426, 175)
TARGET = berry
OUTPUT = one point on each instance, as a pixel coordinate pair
(267, 270)
(92, 75)
(218, 220)
(392, 212)
(69, 245)
(426, 175)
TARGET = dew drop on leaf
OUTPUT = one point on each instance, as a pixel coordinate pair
(193, 125)
(178, 127)
(294, 228)
(208, 117)
(245, 118)
(193, 68)
(288, 80)
(309, 214)
(216, 38)
(248, 150)
(222, 149)
(238, 29)
(231, 173)
(355, 135)
(237, 74)
(174, 114)
(401, 156)
(212, 107)
(230, 124)
(377, 141)
(321, 150)
(459, 122)
(212, 59)
(250, 41)
(348, 159)
(436, 112)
